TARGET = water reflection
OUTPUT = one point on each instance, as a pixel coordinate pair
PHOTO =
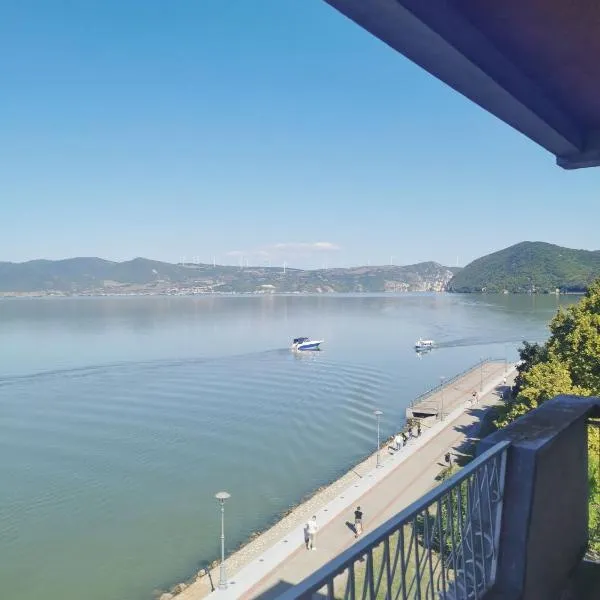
(122, 461)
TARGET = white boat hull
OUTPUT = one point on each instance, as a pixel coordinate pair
(312, 345)
(422, 345)
(423, 348)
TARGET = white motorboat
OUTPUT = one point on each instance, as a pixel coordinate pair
(304, 343)
(422, 345)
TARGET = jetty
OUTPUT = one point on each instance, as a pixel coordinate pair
(277, 559)
(444, 398)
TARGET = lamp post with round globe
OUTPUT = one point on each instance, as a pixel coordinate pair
(442, 379)
(481, 376)
(221, 497)
(378, 414)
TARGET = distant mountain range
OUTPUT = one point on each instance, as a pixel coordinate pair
(525, 267)
(92, 276)
(529, 267)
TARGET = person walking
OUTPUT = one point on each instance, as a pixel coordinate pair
(418, 428)
(311, 530)
(358, 524)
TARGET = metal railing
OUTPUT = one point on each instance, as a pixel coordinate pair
(447, 382)
(442, 547)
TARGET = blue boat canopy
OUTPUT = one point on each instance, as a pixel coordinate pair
(300, 340)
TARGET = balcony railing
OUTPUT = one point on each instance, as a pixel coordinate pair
(442, 547)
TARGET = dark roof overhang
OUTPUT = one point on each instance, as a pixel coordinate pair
(535, 64)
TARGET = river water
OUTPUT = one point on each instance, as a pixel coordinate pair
(121, 417)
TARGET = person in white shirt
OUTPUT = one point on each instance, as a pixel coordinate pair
(398, 441)
(311, 530)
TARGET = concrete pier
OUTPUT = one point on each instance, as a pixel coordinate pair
(443, 399)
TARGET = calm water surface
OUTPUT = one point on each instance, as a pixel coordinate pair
(121, 417)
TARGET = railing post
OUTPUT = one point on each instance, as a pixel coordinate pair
(546, 481)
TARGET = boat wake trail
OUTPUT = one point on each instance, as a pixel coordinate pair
(115, 367)
(475, 341)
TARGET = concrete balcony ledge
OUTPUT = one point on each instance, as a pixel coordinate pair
(544, 531)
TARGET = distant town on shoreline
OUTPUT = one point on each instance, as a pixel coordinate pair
(527, 267)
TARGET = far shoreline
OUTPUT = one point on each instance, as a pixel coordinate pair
(38, 295)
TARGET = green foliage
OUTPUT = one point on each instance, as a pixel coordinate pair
(530, 354)
(594, 487)
(569, 363)
(543, 381)
(528, 267)
(575, 340)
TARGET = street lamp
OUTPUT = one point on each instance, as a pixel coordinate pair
(442, 378)
(221, 497)
(481, 376)
(505, 359)
(378, 414)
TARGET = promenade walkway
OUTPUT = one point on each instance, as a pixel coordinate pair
(381, 492)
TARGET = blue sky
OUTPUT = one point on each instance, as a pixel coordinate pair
(254, 130)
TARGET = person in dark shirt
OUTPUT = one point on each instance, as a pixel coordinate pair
(358, 525)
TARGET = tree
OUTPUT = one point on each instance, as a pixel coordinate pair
(594, 488)
(544, 380)
(569, 363)
(575, 340)
(530, 354)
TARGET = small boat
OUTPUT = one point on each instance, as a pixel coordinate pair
(304, 343)
(421, 345)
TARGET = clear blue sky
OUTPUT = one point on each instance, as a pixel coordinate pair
(201, 128)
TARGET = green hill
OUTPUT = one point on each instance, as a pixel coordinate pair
(74, 274)
(529, 267)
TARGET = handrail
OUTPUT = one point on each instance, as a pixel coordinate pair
(365, 546)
